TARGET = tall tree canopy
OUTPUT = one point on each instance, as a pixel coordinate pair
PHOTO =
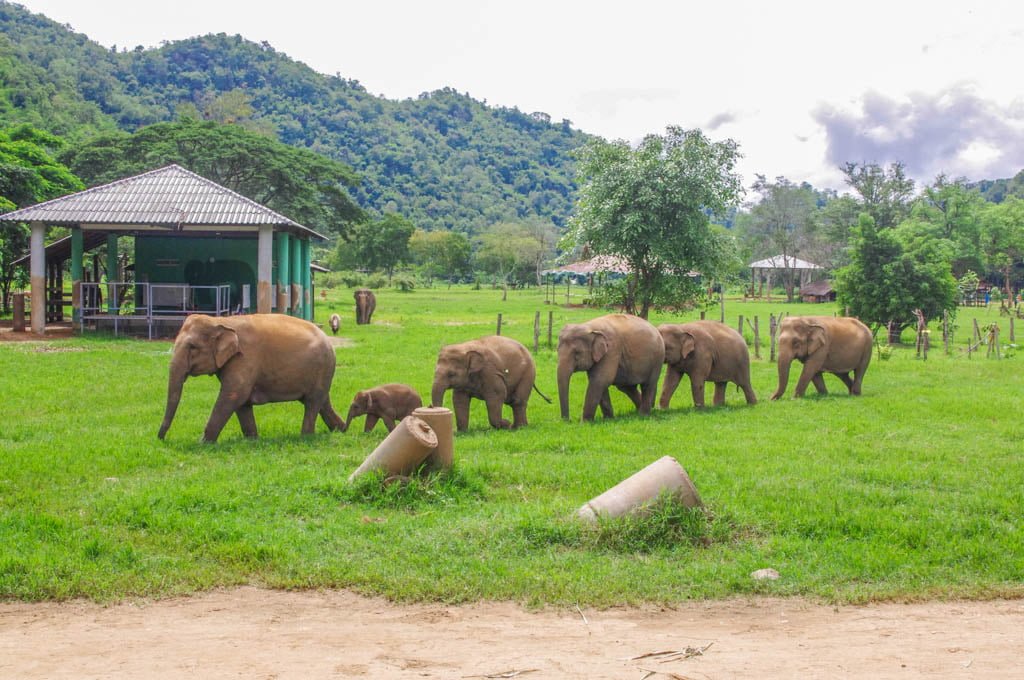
(887, 280)
(300, 184)
(29, 174)
(884, 193)
(650, 205)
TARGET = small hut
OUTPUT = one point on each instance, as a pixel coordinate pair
(196, 247)
(768, 267)
(818, 291)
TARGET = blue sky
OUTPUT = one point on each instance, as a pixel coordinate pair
(801, 86)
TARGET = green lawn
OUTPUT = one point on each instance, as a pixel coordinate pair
(914, 490)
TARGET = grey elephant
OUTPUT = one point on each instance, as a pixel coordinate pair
(390, 403)
(838, 345)
(259, 359)
(706, 351)
(366, 302)
(496, 369)
(617, 350)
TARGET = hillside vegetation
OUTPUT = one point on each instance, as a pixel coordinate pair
(443, 160)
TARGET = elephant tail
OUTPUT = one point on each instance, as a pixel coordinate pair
(542, 396)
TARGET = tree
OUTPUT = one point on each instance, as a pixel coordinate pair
(886, 280)
(885, 193)
(384, 243)
(1003, 237)
(783, 222)
(28, 174)
(305, 186)
(650, 205)
(441, 253)
(950, 210)
(512, 251)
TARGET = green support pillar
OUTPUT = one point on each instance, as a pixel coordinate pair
(307, 295)
(112, 276)
(296, 275)
(284, 283)
(77, 251)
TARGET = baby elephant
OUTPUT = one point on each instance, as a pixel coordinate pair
(389, 403)
(707, 351)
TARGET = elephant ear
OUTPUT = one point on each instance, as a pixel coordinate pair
(687, 344)
(815, 338)
(225, 345)
(475, 361)
(599, 347)
(369, 399)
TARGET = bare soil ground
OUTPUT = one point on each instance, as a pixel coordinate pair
(253, 633)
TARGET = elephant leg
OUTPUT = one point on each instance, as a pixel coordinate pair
(633, 392)
(371, 422)
(247, 420)
(606, 405)
(720, 393)
(819, 383)
(309, 416)
(518, 415)
(697, 391)
(858, 380)
(668, 388)
(389, 422)
(845, 377)
(331, 419)
(460, 404)
(748, 392)
(809, 373)
(494, 416)
(597, 394)
(228, 403)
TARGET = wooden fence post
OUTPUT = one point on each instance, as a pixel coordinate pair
(703, 314)
(721, 299)
(739, 325)
(551, 322)
(772, 327)
(977, 332)
(757, 338)
(536, 332)
(499, 324)
(1013, 335)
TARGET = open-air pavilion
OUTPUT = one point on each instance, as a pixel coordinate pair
(196, 246)
(767, 268)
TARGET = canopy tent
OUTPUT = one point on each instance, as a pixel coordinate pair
(582, 271)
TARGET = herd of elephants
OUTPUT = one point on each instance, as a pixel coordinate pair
(264, 358)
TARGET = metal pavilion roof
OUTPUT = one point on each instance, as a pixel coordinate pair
(783, 262)
(170, 197)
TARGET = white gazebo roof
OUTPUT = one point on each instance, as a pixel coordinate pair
(783, 262)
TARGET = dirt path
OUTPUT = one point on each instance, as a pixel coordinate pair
(253, 633)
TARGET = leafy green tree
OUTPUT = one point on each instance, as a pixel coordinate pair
(29, 174)
(1003, 238)
(950, 210)
(383, 244)
(886, 280)
(650, 205)
(784, 222)
(441, 253)
(510, 252)
(305, 186)
(884, 193)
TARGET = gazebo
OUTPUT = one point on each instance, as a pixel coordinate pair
(198, 247)
(765, 269)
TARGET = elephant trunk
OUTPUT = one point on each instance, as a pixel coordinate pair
(353, 412)
(178, 374)
(784, 363)
(565, 370)
(437, 392)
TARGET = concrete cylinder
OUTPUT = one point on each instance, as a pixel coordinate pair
(633, 493)
(402, 450)
(18, 322)
(440, 420)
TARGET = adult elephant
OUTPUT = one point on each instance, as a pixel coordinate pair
(496, 369)
(824, 344)
(258, 358)
(366, 302)
(618, 350)
(706, 351)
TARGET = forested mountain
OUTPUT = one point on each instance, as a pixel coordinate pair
(443, 160)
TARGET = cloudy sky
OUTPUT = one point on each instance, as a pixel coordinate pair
(801, 86)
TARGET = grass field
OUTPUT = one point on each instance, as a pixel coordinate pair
(914, 490)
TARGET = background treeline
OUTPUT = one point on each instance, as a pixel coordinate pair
(443, 160)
